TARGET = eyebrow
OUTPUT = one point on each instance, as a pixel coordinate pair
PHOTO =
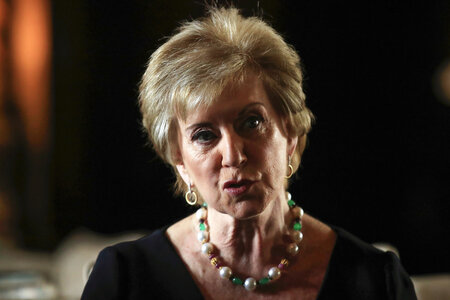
(201, 124)
(250, 106)
(209, 124)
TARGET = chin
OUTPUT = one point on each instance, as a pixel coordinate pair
(248, 209)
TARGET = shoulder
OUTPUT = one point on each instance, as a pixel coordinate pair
(348, 244)
(134, 255)
(129, 268)
(357, 253)
(134, 270)
(367, 272)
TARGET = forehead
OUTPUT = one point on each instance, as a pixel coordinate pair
(232, 100)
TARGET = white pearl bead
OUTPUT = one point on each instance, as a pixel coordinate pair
(288, 196)
(292, 249)
(225, 272)
(207, 248)
(250, 284)
(297, 236)
(201, 213)
(203, 236)
(274, 273)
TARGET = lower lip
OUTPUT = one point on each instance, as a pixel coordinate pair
(237, 191)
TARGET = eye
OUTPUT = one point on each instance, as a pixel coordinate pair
(203, 136)
(253, 122)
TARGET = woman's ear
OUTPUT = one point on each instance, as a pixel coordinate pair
(291, 135)
(183, 172)
(291, 145)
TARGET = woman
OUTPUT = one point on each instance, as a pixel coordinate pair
(223, 104)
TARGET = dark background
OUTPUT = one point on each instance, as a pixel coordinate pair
(377, 161)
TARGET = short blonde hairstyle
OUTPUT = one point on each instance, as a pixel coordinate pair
(207, 55)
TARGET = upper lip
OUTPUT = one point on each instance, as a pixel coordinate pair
(232, 183)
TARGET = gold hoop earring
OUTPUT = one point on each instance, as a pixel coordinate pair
(190, 196)
(291, 169)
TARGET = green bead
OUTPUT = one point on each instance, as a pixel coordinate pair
(263, 281)
(202, 227)
(204, 204)
(297, 226)
(291, 203)
(236, 281)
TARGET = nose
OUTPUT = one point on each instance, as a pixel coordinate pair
(232, 148)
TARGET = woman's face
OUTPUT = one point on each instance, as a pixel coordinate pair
(235, 152)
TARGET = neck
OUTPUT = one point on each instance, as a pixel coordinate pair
(252, 244)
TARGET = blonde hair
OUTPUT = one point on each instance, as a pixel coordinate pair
(207, 55)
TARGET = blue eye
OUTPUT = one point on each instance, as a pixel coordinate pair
(203, 136)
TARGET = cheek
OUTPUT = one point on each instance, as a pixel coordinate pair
(203, 168)
(275, 159)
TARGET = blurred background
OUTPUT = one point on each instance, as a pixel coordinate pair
(73, 155)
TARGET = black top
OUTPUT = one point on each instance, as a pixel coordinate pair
(150, 268)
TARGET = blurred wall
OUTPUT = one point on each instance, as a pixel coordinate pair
(25, 123)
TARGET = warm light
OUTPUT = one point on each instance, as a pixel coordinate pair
(441, 83)
(4, 128)
(3, 15)
(30, 51)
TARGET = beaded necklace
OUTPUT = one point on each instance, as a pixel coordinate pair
(275, 272)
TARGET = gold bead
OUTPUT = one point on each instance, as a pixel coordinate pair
(214, 261)
(285, 262)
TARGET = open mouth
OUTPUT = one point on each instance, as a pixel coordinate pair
(237, 187)
(235, 184)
